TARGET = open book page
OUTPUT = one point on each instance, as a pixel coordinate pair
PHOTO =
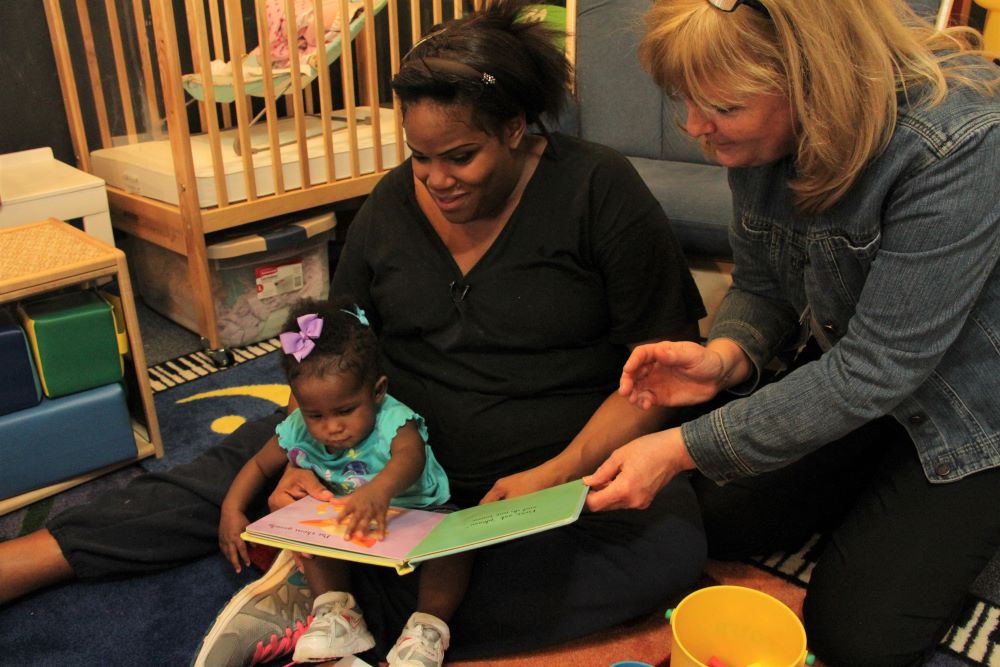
(414, 535)
(313, 522)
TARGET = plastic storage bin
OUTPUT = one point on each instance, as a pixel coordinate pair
(255, 277)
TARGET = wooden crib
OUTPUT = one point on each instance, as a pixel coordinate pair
(187, 151)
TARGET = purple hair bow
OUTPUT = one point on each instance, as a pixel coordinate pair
(300, 343)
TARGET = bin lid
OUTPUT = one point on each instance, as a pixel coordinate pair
(281, 236)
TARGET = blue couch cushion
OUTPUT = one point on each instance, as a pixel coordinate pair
(618, 105)
(697, 200)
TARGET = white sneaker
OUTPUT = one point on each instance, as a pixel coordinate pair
(337, 630)
(422, 644)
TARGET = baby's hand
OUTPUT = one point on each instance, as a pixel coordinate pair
(231, 525)
(364, 512)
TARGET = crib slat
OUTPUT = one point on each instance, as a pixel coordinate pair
(371, 71)
(67, 82)
(187, 186)
(237, 47)
(196, 55)
(94, 73)
(220, 52)
(438, 12)
(571, 41)
(397, 112)
(270, 106)
(347, 73)
(415, 28)
(325, 101)
(296, 94)
(310, 102)
(210, 120)
(361, 65)
(153, 117)
(124, 89)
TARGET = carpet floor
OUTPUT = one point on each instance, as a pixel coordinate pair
(159, 619)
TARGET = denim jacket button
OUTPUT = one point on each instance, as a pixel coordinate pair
(942, 469)
(917, 418)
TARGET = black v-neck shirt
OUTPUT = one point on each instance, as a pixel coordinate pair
(508, 362)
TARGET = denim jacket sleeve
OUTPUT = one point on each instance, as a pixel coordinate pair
(755, 312)
(898, 277)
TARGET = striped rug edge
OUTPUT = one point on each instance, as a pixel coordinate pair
(188, 367)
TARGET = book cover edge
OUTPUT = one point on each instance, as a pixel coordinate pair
(414, 558)
(404, 566)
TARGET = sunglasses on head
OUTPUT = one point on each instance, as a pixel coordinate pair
(731, 5)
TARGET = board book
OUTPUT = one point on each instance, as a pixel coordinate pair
(413, 535)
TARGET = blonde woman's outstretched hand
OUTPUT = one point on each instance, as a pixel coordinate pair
(671, 374)
(635, 472)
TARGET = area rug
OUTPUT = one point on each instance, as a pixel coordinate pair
(159, 619)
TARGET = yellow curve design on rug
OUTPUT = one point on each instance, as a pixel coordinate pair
(226, 424)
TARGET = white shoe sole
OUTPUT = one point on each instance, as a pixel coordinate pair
(359, 645)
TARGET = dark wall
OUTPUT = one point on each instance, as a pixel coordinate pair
(31, 108)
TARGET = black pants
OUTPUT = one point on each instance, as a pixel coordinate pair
(547, 588)
(163, 519)
(900, 553)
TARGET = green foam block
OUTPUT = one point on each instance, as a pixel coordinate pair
(74, 341)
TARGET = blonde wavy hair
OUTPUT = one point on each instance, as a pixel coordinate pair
(840, 64)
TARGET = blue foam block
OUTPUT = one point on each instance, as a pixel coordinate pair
(20, 388)
(60, 438)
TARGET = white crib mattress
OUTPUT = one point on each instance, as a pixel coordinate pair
(147, 168)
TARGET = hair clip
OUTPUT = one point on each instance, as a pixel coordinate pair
(489, 79)
(358, 313)
(300, 343)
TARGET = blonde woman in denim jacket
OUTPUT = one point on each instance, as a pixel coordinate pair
(864, 156)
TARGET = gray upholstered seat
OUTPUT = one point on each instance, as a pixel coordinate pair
(620, 106)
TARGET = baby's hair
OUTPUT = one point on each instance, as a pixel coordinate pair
(501, 61)
(344, 345)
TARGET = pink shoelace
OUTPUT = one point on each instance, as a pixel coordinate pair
(279, 646)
